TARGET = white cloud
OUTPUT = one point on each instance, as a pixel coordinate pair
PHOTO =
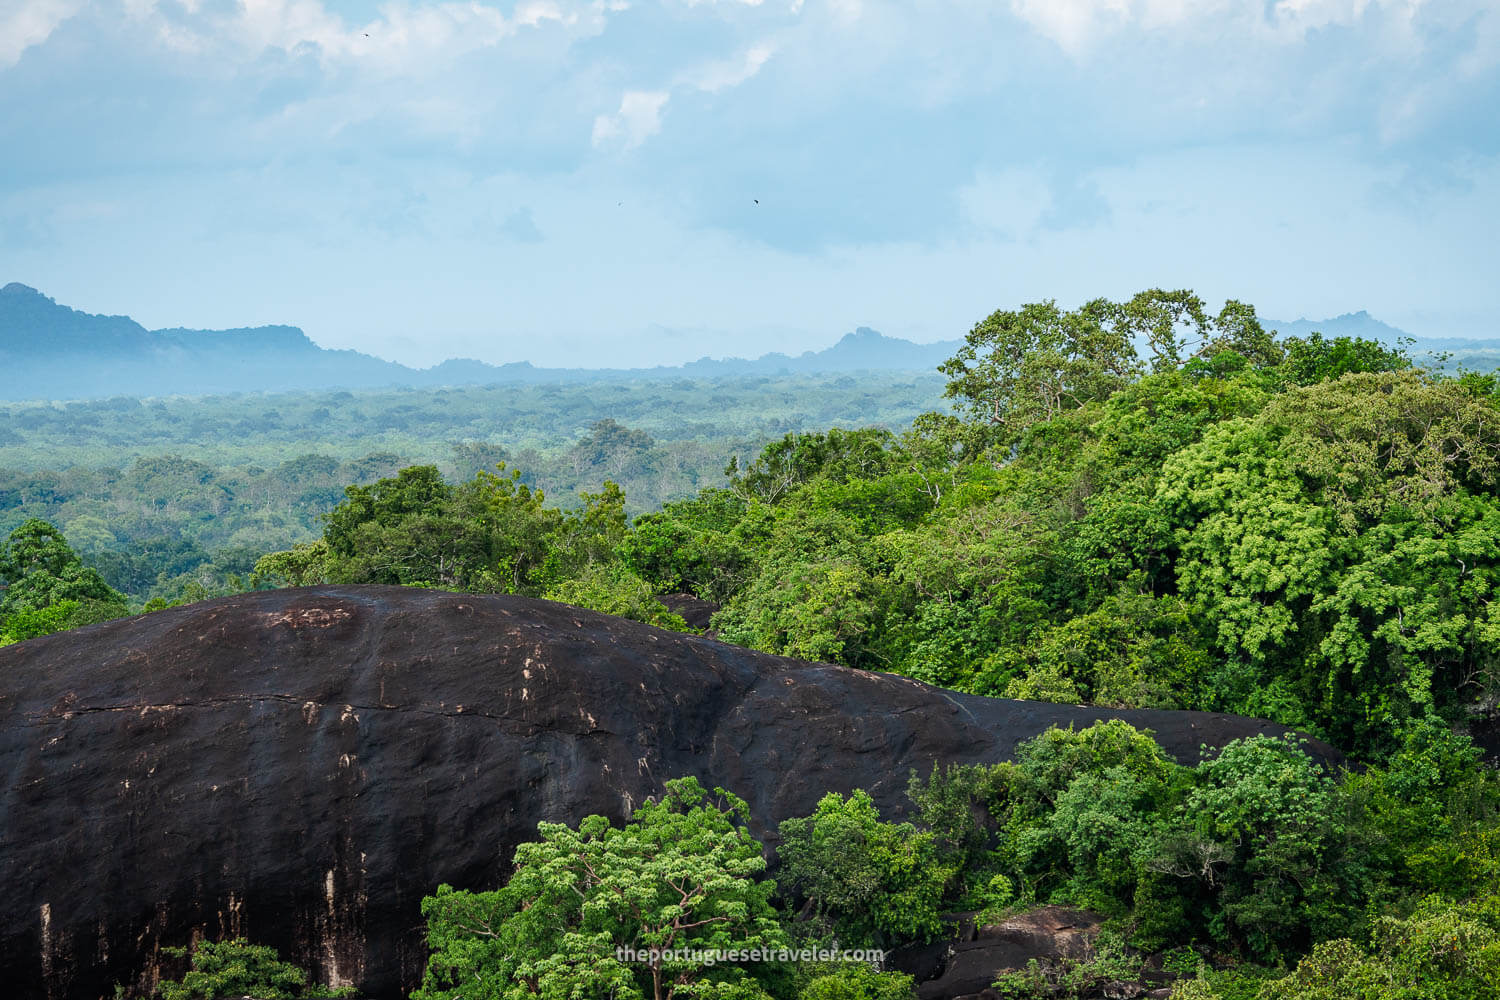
(286, 24)
(717, 76)
(638, 119)
(30, 22)
(1076, 25)
(639, 116)
(1071, 23)
(846, 11)
(404, 37)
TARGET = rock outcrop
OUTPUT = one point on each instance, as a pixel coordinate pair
(302, 766)
(981, 954)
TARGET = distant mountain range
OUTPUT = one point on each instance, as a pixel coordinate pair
(1481, 355)
(49, 351)
(1355, 324)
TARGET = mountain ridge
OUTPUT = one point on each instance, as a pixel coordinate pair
(53, 351)
(37, 333)
(1350, 324)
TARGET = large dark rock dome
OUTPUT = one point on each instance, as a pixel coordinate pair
(302, 766)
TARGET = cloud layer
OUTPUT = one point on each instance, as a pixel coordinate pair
(810, 165)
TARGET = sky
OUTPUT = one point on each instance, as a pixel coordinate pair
(653, 181)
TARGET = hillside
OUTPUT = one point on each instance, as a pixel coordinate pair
(55, 352)
(1356, 324)
(1444, 353)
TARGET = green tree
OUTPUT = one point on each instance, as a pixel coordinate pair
(1020, 367)
(692, 545)
(1084, 810)
(1169, 323)
(1237, 330)
(1271, 818)
(1442, 951)
(42, 577)
(489, 534)
(1341, 546)
(587, 536)
(837, 455)
(221, 970)
(614, 590)
(300, 566)
(683, 874)
(865, 879)
(857, 981)
(1313, 358)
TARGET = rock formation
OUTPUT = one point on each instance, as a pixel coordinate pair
(302, 766)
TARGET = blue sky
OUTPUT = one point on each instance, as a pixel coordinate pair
(576, 182)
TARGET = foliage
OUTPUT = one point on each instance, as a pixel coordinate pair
(236, 968)
(149, 490)
(837, 456)
(1240, 983)
(857, 981)
(1072, 978)
(1314, 359)
(958, 804)
(1430, 818)
(46, 588)
(1255, 852)
(682, 874)
(1084, 812)
(1028, 365)
(31, 623)
(300, 566)
(1250, 528)
(615, 590)
(691, 545)
(1264, 820)
(1139, 504)
(864, 878)
(1441, 952)
(1347, 532)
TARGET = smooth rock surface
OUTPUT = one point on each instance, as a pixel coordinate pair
(1046, 935)
(302, 766)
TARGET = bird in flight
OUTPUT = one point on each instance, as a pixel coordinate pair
(756, 200)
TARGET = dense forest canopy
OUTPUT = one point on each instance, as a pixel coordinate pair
(1135, 504)
(176, 498)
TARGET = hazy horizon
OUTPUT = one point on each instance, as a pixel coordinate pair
(576, 183)
(1292, 327)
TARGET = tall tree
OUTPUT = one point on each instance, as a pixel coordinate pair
(1019, 367)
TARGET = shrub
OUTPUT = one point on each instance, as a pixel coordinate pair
(237, 968)
(683, 874)
(866, 878)
(857, 981)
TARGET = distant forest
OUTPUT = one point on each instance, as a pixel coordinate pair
(175, 498)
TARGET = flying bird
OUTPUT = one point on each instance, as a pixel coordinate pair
(756, 200)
